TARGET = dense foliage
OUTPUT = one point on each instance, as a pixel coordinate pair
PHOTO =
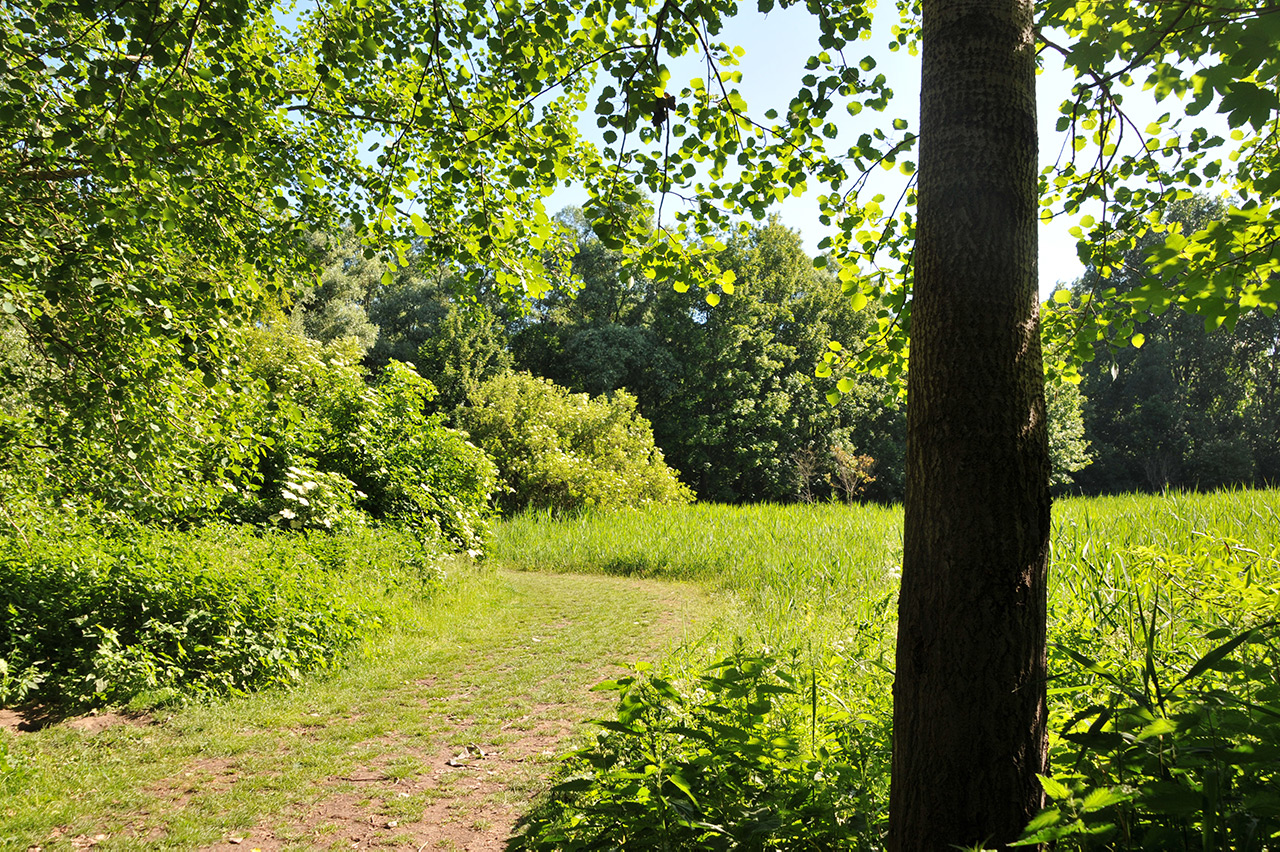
(751, 757)
(564, 452)
(1194, 406)
(162, 164)
(361, 446)
(91, 617)
(741, 395)
(730, 388)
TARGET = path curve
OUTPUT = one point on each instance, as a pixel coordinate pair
(440, 739)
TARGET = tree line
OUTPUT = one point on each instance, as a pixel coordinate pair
(731, 390)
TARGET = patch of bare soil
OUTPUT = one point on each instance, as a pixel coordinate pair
(468, 799)
(25, 721)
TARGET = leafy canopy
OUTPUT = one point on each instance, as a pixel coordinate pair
(162, 163)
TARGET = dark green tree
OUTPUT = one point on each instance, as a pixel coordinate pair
(1181, 409)
(593, 333)
(750, 420)
(467, 346)
(730, 388)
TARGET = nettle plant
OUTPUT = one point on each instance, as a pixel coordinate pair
(756, 753)
(1166, 711)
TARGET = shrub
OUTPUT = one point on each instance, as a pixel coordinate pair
(347, 444)
(754, 756)
(564, 452)
(90, 618)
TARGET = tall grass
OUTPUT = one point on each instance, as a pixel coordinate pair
(1153, 574)
(1130, 576)
(1164, 666)
(794, 559)
(800, 574)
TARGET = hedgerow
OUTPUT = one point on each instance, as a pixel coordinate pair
(136, 614)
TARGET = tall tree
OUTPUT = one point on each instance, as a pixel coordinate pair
(730, 389)
(1187, 408)
(969, 693)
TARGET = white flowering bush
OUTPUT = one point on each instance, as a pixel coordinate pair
(316, 500)
(340, 448)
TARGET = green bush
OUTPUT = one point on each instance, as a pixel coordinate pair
(337, 444)
(565, 452)
(755, 755)
(90, 618)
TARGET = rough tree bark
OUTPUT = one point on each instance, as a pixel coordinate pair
(969, 699)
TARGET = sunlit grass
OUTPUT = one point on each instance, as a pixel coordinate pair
(489, 658)
(799, 574)
(1141, 571)
(804, 574)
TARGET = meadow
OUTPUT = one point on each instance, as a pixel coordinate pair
(1164, 674)
(747, 651)
(799, 575)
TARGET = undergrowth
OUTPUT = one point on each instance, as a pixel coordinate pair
(753, 754)
(1164, 691)
(134, 614)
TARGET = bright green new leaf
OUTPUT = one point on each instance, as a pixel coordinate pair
(1054, 789)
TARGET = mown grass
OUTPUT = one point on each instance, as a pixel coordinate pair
(490, 658)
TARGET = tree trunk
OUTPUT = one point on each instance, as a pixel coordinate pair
(969, 698)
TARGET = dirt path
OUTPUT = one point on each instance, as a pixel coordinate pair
(439, 741)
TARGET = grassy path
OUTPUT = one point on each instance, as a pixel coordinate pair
(437, 739)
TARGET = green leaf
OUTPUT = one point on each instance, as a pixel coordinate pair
(1157, 728)
(677, 778)
(1207, 662)
(1044, 819)
(1102, 797)
(1053, 789)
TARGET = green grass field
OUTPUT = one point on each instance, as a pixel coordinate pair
(1164, 666)
(803, 573)
(773, 697)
